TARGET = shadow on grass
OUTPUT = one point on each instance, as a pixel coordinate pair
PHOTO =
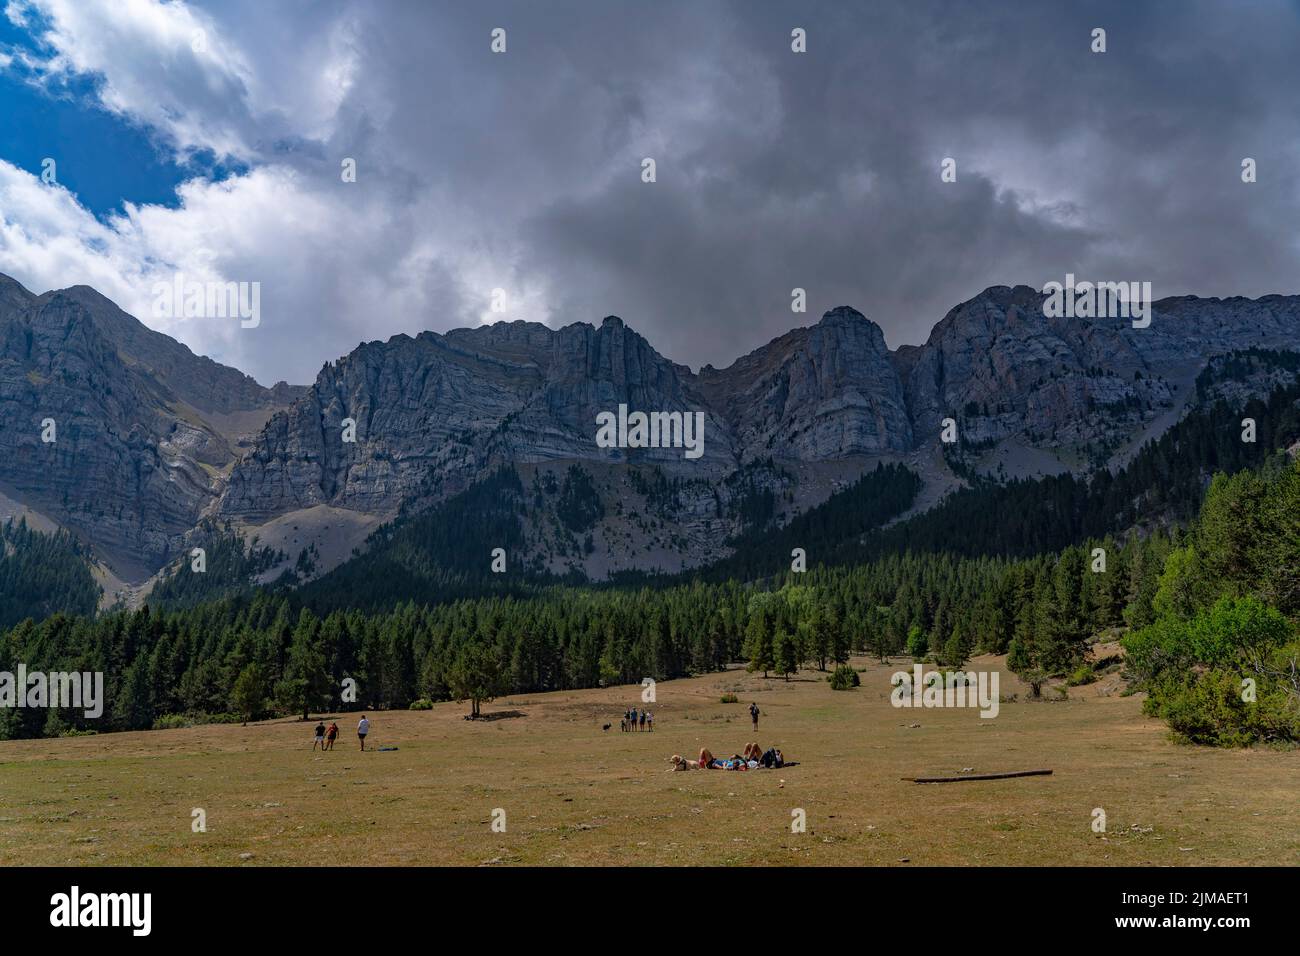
(496, 715)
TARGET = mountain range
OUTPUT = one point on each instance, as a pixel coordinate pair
(152, 441)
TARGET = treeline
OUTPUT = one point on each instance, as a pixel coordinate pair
(266, 653)
(41, 574)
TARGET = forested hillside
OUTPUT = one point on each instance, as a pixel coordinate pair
(230, 565)
(1163, 485)
(267, 653)
(41, 574)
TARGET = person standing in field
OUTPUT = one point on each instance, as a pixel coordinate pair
(363, 728)
(320, 736)
(643, 717)
(632, 717)
(330, 735)
(650, 720)
(753, 713)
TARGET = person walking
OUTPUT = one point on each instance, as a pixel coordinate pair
(363, 728)
(331, 735)
(753, 713)
(320, 736)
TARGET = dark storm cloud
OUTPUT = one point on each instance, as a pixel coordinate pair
(1122, 165)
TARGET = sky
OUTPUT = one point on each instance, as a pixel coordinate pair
(208, 139)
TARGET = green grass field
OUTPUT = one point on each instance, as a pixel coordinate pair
(576, 795)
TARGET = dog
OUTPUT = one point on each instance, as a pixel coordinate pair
(682, 763)
(606, 727)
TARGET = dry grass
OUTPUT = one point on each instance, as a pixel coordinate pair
(574, 795)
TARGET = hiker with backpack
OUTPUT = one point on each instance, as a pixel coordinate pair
(753, 713)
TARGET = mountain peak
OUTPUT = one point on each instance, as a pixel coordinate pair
(12, 292)
(842, 314)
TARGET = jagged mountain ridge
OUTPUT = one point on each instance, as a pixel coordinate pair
(435, 413)
(826, 392)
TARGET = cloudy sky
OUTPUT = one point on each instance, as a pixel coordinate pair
(208, 138)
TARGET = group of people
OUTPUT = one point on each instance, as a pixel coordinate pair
(752, 758)
(637, 721)
(325, 736)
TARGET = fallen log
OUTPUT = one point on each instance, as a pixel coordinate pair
(980, 776)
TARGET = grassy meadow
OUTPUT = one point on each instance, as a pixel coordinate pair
(574, 794)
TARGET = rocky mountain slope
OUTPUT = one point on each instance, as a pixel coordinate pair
(116, 432)
(151, 437)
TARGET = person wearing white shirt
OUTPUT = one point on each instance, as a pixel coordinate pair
(363, 728)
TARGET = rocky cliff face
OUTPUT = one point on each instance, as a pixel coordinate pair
(435, 412)
(135, 457)
(151, 437)
(1004, 370)
(442, 408)
(815, 394)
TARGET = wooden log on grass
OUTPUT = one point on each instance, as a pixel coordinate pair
(980, 776)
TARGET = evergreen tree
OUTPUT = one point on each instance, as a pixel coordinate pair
(248, 696)
(307, 679)
(758, 644)
(476, 676)
(787, 653)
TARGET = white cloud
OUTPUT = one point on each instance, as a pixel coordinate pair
(336, 261)
(306, 246)
(163, 64)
